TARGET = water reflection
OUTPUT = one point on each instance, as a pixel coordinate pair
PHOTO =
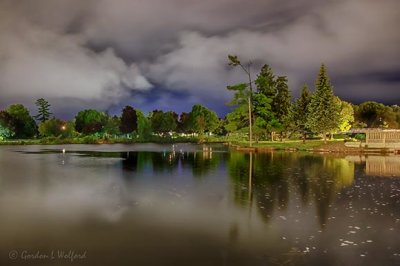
(378, 165)
(199, 163)
(261, 180)
(268, 179)
(198, 205)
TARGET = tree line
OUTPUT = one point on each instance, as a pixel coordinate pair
(262, 109)
(264, 105)
(17, 123)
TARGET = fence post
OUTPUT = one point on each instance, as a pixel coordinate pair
(384, 138)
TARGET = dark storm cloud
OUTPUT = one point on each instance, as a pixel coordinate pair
(172, 53)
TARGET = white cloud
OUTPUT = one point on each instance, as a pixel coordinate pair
(38, 62)
(350, 38)
(50, 48)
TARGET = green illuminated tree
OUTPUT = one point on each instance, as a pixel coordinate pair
(323, 111)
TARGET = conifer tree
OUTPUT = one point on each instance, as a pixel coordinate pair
(281, 101)
(265, 82)
(299, 111)
(323, 111)
(128, 120)
(43, 110)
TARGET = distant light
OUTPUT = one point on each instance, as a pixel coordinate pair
(63, 127)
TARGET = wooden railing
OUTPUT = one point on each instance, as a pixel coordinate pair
(383, 137)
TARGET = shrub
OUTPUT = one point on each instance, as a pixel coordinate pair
(360, 137)
(55, 128)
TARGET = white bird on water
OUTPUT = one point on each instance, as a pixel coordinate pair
(63, 151)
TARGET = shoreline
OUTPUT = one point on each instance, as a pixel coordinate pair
(335, 147)
(313, 146)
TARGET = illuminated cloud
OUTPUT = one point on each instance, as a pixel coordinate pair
(108, 53)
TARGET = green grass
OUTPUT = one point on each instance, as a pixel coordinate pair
(20, 142)
(288, 144)
(90, 139)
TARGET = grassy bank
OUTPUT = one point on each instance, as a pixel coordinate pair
(309, 145)
(292, 145)
(284, 145)
(97, 140)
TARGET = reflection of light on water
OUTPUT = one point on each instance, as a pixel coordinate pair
(377, 165)
(63, 156)
(287, 193)
(344, 173)
(382, 165)
(207, 152)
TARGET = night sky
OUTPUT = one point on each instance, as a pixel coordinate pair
(171, 54)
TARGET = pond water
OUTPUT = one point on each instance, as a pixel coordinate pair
(186, 204)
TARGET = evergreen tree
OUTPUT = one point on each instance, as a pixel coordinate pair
(299, 112)
(276, 91)
(323, 110)
(266, 83)
(43, 110)
(265, 120)
(281, 101)
(238, 119)
(128, 120)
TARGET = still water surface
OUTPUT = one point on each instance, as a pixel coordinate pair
(187, 204)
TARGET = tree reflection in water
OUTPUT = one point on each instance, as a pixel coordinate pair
(200, 162)
(266, 180)
(260, 180)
